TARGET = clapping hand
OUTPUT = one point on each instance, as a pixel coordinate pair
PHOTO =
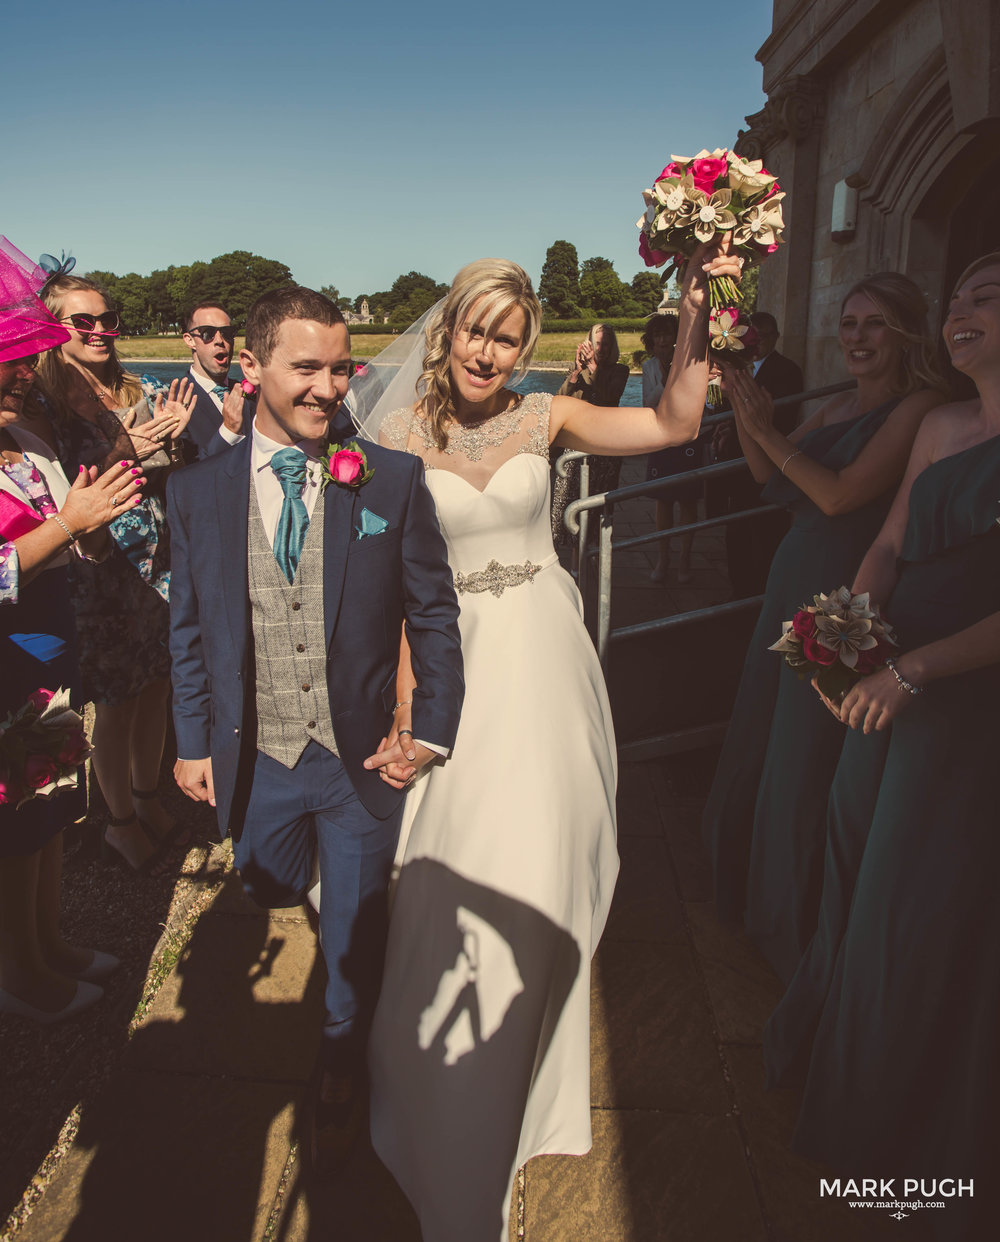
(93, 501)
(170, 416)
(752, 405)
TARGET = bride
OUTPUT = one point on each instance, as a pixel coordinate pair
(480, 1051)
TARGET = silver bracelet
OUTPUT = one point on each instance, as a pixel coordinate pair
(797, 453)
(402, 703)
(900, 679)
(56, 518)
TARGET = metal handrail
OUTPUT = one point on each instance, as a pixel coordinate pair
(576, 518)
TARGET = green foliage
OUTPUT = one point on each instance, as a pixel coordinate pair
(619, 324)
(603, 293)
(407, 300)
(647, 291)
(157, 302)
(559, 287)
(748, 289)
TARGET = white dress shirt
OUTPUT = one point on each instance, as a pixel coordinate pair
(206, 383)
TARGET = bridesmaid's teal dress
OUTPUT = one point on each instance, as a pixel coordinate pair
(894, 1012)
(781, 741)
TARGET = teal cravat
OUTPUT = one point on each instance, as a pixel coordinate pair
(219, 390)
(289, 465)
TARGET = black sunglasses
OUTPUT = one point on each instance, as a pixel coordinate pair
(207, 332)
(109, 322)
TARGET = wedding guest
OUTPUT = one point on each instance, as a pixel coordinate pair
(598, 378)
(101, 413)
(893, 1016)
(659, 340)
(752, 542)
(765, 818)
(217, 414)
(42, 521)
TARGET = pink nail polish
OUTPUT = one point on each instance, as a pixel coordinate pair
(136, 470)
(124, 463)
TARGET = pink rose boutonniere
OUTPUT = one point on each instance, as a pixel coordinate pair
(346, 465)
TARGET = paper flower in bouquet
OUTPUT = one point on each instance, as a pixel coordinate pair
(42, 745)
(696, 198)
(838, 639)
(732, 339)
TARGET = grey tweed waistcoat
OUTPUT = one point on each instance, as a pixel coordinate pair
(293, 702)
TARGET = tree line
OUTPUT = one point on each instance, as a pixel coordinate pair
(156, 304)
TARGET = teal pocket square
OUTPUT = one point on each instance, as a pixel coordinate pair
(371, 524)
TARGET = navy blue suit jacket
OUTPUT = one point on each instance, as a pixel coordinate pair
(206, 418)
(370, 586)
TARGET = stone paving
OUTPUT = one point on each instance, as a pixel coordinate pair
(196, 1134)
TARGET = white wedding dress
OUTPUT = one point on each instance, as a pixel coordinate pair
(480, 1050)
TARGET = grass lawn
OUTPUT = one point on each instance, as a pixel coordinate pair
(552, 347)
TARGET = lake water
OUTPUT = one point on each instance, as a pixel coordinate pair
(534, 381)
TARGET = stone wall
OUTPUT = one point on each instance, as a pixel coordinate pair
(900, 99)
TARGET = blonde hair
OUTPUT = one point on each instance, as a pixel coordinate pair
(904, 309)
(54, 370)
(503, 286)
(977, 265)
(609, 344)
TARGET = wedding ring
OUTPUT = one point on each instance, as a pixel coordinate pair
(114, 501)
(408, 732)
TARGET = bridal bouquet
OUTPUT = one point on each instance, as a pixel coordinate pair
(42, 744)
(732, 335)
(697, 197)
(838, 639)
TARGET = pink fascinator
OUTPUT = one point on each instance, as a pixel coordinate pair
(26, 325)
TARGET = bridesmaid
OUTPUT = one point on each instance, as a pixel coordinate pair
(764, 820)
(901, 984)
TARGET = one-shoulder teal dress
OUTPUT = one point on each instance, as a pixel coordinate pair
(894, 1013)
(765, 815)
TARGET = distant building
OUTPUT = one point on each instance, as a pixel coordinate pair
(883, 126)
(360, 317)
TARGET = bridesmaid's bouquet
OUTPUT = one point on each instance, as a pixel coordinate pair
(837, 640)
(698, 197)
(42, 745)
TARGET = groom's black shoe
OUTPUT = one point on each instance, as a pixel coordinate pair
(336, 1121)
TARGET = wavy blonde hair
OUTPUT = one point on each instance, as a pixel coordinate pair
(502, 286)
(54, 370)
(904, 309)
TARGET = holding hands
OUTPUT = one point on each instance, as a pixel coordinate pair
(399, 758)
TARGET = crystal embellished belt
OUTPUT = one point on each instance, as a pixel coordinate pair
(497, 578)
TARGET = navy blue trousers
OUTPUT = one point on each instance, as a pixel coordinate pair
(293, 816)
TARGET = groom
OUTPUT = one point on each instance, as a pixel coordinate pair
(288, 599)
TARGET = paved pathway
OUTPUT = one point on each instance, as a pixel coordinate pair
(194, 1136)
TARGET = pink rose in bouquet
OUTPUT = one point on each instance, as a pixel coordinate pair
(804, 624)
(39, 699)
(40, 770)
(74, 749)
(671, 170)
(651, 258)
(706, 172)
(814, 651)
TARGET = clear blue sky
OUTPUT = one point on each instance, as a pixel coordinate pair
(355, 143)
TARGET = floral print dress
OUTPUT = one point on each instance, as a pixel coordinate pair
(120, 603)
